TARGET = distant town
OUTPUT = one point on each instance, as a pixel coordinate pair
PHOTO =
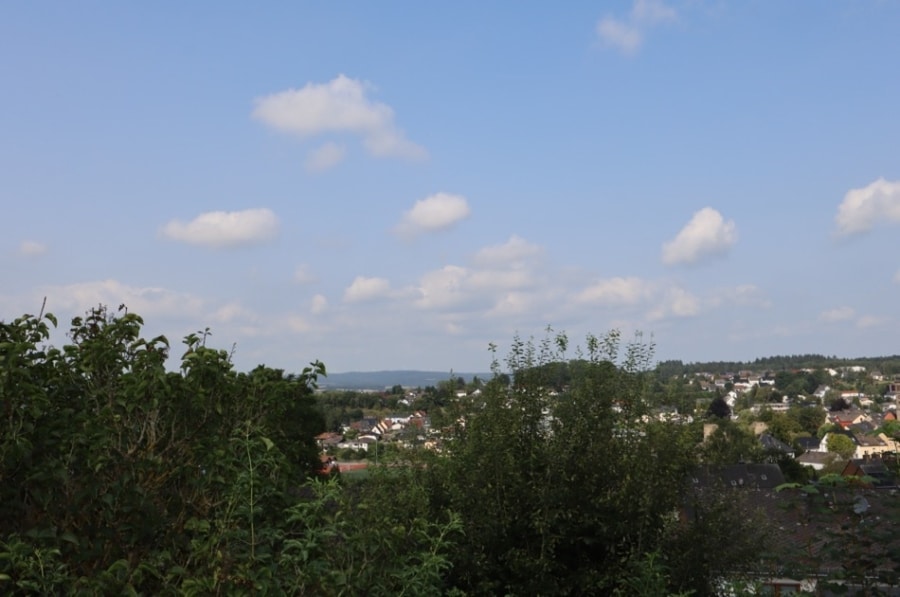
(775, 434)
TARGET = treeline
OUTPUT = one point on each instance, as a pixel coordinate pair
(887, 365)
(123, 477)
(120, 477)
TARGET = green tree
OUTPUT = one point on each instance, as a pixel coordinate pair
(841, 445)
(783, 427)
(808, 418)
(731, 443)
(123, 477)
(565, 493)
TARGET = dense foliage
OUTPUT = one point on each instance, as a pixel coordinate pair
(573, 488)
(119, 476)
(122, 476)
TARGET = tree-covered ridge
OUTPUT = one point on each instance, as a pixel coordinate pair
(888, 365)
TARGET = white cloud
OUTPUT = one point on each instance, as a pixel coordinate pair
(318, 304)
(297, 324)
(145, 301)
(682, 303)
(616, 292)
(652, 11)
(503, 275)
(512, 303)
(304, 275)
(364, 289)
(338, 106)
(231, 312)
(513, 252)
(744, 295)
(676, 302)
(837, 314)
(442, 288)
(437, 212)
(218, 229)
(620, 35)
(706, 235)
(30, 248)
(500, 279)
(871, 321)
(327, 156)
(863, 208)
(627, 35)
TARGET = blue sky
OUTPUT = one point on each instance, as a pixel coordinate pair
(396, 185)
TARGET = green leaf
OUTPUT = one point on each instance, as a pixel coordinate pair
(269, 443)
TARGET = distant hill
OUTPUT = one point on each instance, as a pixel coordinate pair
(379, 380)
(887, 365)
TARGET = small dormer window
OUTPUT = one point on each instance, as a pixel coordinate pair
(764, 477)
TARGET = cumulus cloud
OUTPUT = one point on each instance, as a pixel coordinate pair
(219, 229)
(297, 324)
(443, 288)
(743, 295)
(512, 303)
(627, 34)
(863, 208)
(513, 252)
(437, 212)
(145, 301)
(30, 248)
(676, 302)
(619, 34)
(327, 156)
(231, 312)
(837, 314)
(364, 289)
(652, 11)
(318, 304)
(616, 292)
(706, 235)
(303, 274)
(871, 321)
(339, 106)
(500, 275)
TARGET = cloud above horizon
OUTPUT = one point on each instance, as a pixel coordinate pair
(31, 248)
(145, 301)
(340, 106)
(325, 157)
(838, 314)
(616, 292)
(514, 251)
(706, 235)
(436, 212)
(862, 209)
(627, 35)
(224, 229)
(364, 289)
